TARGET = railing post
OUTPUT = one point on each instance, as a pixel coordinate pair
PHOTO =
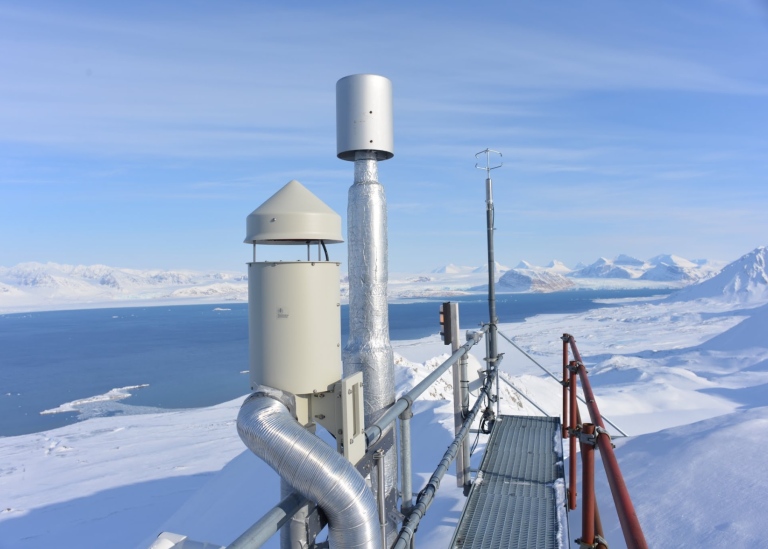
(588, 488)
(458, 395)
(573, 433)
(565, 339)
(406, 502)
(463, 368)
(378, 459)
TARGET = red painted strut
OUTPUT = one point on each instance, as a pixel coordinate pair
(630, 525)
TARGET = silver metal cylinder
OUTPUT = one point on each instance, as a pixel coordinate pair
(364, 116)
(406, 489)
(368, 348)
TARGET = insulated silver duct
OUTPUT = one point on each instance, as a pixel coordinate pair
(368, 348)
(315, 470)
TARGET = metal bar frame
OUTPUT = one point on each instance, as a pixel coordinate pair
(630, 525)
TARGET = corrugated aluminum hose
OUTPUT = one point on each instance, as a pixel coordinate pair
(314, 469)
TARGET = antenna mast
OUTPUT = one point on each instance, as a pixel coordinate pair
(492, 344)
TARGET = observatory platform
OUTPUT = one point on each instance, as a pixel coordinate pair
(514, 499)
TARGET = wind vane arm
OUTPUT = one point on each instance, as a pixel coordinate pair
(488, 167)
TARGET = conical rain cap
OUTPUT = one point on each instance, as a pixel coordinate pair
(293, 215)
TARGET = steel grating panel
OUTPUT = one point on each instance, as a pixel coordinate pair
(513, 502)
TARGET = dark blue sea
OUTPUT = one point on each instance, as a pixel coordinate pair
(183, 356)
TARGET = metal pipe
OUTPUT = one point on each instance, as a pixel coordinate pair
(574, 417)
(464, 382)
(458, 402)
(268, 525)
(406, 488)
(588, 481)
(565, 385)
(427, 495)
(316, 470)
(630, 525)
(599, 536)
(368, 348)
(378, 458)
(374, 432)
(294, 533)
(489, 215)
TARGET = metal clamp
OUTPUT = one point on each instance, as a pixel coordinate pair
(584, 438)
(599, 540)
(603, 432)
(574, 366)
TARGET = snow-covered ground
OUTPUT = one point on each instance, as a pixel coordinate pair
(686, 378)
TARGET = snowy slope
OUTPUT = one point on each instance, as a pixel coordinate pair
(710, 499)
(745, 280)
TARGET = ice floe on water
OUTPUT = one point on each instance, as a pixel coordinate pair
(80, 404)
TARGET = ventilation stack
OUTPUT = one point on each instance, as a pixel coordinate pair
(364, 135)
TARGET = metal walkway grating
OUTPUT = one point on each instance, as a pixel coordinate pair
(513, 501)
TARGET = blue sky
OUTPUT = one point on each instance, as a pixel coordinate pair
(142, 134)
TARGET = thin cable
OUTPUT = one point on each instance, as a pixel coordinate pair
(322, 243)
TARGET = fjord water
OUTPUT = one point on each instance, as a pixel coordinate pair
(187, 356)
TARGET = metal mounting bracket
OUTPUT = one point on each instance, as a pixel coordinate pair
(340, 410)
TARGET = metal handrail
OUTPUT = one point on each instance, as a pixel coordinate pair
(374, 432)
(630, 525)
(268, 525)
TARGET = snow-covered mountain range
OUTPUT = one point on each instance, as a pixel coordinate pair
(46, 286)
(624, 271)
(51, 285)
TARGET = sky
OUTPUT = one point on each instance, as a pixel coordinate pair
(142, 134)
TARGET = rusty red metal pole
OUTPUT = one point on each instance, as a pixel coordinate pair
(572, 442)
(599, 527)
(630, 525)
(566, 338)
(588, 487)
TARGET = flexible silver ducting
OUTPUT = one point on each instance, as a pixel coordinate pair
(314, 469)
